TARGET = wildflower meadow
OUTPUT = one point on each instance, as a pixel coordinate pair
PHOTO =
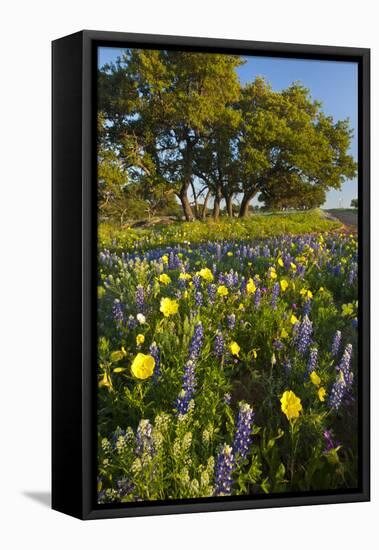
(226, 366)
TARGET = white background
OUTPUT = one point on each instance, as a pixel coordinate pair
(27, 27)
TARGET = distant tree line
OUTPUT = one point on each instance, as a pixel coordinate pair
(179, 129)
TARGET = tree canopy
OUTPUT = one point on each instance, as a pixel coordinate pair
(179, 128)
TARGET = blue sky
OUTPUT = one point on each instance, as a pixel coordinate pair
(334, 83)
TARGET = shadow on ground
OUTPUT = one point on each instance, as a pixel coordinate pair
(41, 497)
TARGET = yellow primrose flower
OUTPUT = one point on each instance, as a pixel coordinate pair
(321, 394)
(143, 366)
(273, 274)
(230, 253)
(254, 352)
(293, 266)
(315, 379)
(321, 289)
(169, 307)
(347, 309)
(250, 287)
(185, 294)
(284, 334)
(165, 259)
(291, 405)
(241, 307)
(206, 274)
(294, 319)
(234, 348)
(140, 338)
(280, 262)
(307, 293)
(184, 276)
(222, 290)
(105, 381)
(283, 285)
(164, 278)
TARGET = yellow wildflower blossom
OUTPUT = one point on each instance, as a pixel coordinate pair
(230, 253)
(283, 285)
(222, 290)
(143, 366)
(315, 379)
(291, 405)
(140, 338)
(321, 394)
(169, 307)
(206, 274)
(164, 278)
(234, 348)
(250, 287)
(273, 274)
(294, 319)
(284, 334)
(280, 262)
(184, 276)
(165, 259)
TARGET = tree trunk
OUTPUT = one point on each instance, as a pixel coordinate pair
(229, 205)
(244, 208)
(187, 210)
(196, 206)
(205, 205)
(217, 202)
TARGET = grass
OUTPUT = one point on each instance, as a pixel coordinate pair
(257, 226)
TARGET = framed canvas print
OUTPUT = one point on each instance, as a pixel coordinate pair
(210, 274)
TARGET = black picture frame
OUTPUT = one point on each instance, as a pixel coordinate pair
(74, 272)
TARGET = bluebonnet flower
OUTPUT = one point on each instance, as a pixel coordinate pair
(224, 468)
(189, 379)
(140, 299)
(198, 299)
(277, 344)
(124, 486)
(211, 290)
(117, 311)
(196, 281)
(227, 398)
(243, 437)
(231, 321)
(307, 307)
(132, 322)
(329, 443)
(144, 438)
(344, 365)
(154, 352)
(274, 295)
(336, 343)
(304, 335)
(257, 299)
(344, 380)
(312, 361)
(219, 344)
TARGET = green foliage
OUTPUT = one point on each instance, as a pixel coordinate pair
(147, 450)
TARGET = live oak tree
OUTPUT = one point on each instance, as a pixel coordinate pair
(290, 148)
(180, 124)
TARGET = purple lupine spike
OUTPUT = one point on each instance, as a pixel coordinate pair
(140, 298)
(198, 299)
(144, 438)
(336, 343)
(341, 387)
(257, 298)
(189, 378)
(224, 468)
(312, 360)
(274, 295)
(118, 312)
(211, 290)
(231, 321)
(344, 365)
(219, 344)
(154, 352)
(307, 307)
(243, 436)
(304, 335)
(132, 322)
